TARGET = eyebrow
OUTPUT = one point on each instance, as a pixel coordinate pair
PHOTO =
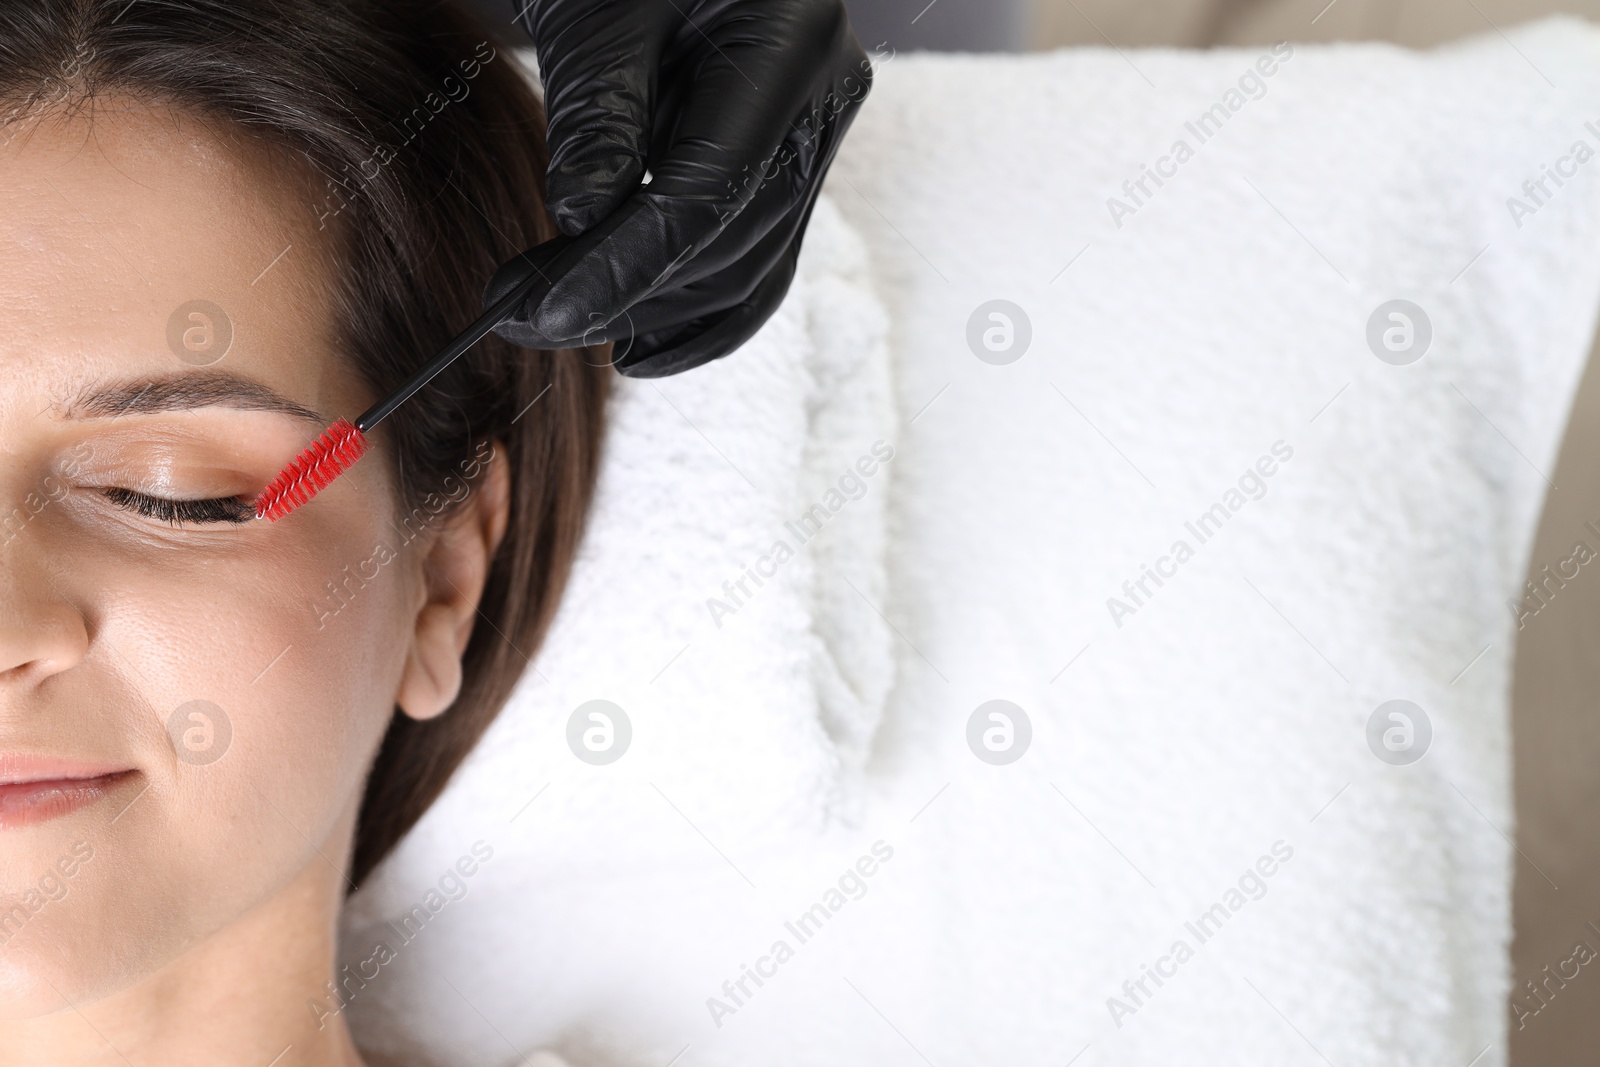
(182, 392)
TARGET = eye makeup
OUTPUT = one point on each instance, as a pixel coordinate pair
(184, 512)
(169, 473)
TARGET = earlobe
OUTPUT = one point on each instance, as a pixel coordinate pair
(453, 574)
(432, 677)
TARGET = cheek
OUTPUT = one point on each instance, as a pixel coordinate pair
(255, 688)
(298, 654)
(296, 646)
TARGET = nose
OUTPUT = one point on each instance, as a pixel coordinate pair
(41, 632)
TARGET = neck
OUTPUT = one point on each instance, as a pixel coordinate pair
(246, 996)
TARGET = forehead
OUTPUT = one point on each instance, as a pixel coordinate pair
(122, 222)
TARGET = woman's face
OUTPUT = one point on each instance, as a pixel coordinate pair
(187, 711)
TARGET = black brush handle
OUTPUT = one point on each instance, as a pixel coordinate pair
(548, 262)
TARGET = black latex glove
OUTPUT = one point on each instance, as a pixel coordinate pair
(735, 107)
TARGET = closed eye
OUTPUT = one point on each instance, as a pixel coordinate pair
(232, 509)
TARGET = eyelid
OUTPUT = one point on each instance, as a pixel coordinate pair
(165, 475)
(179, 460)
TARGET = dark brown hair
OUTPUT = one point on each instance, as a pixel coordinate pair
(425, 146)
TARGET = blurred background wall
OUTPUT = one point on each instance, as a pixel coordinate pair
(1032, 25)
(1203, 23)
(1035, 25)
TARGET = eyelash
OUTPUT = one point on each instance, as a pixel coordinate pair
(178, 512)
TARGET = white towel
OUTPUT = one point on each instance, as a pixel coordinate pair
(1199, 771)
(727, 599)
(1227, 313)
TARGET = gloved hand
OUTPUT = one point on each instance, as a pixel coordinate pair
(735, 107)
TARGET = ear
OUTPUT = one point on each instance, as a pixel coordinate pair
(454, 572)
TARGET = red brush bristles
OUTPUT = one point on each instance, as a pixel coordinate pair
(312, 470)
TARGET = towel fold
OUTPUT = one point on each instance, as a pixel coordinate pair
(719, 664)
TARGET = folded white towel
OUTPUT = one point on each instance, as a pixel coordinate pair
(726, 600)
(1202, 795)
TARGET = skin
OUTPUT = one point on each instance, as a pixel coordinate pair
(205, 920)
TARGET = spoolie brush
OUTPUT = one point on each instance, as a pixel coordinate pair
(329, 456)
(337, 450)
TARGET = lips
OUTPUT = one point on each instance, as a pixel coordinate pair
(35, 790)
